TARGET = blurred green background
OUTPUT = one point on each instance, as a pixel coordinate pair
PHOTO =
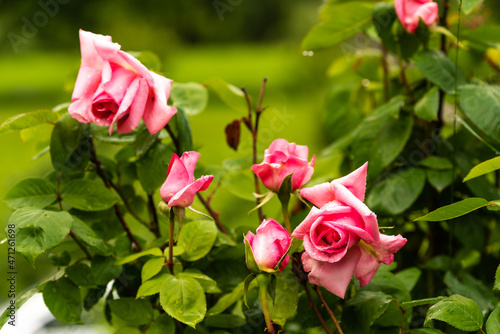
(240, 41)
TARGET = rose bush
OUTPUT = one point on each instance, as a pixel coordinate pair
(411, 11)
(180, 187)
(341, 237)
(114, 87)
(269, 245)
(282, 159)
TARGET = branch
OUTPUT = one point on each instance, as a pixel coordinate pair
(323, 301)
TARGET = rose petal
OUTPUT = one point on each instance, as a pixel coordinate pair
(334, 277)
(355, 182)
(189, 159)
(90, 57)
(86, 84)
(177, 178)
(158, 113)
(136, 109)
(185, 196)
(319, 194)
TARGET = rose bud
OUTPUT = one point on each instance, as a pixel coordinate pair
(114, 87)
(411, 11)
(268, 248)
(282, 159)
(180, 186)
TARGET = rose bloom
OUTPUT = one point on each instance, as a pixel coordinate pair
(180, 187)
(410, 12)
(282, 159)
(341, 237)
(114, 87)
(269, 245)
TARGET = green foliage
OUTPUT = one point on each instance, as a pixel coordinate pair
(152, 167)
(132, 311)
(363, 310)
(190, 97)
(183, 299)
(197, 238)
(64, 301)
(458, 311)
(455, 210)
(231, 95)
(28, 120)
(88, 195)
(34, 192)
(485, 167)
(439, 69)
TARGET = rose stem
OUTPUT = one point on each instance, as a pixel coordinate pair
(127, 204)
(71, 233)
(286, 216)
(171, 242)
(315, 309)
(155, 227)
(263, 281)
(316, 288)
(253, 130)
(206, 204)
(100, 172)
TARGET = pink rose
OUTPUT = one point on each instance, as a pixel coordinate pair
(342, 238)
(114, 87)
(410, 12)
(282, 159)
(180, 186)
(269, 245)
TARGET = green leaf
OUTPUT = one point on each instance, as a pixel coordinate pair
(362, 310)
(384, 16)
(88, 195)
(469, 5)
(132, 257)
(81, 275)
(144, 140)
(70, 145)
(152, 167)
(398, 192)
(481, 105)
(191, 97)
(381, 136)
(420, 302)
(341, 20)
(341, 115)
(197, 238)
(28, 120)
(152, 286)
(132, 311)
(459, 312)
(497, 279)
(149, 59)
(227, 300)
(455, 210)
(438, 69)
(427, 107)
(60, 260)
(207, 283)
(34, 192)
(469, 287)
(249, 279)
(93, 296)
(183, 299)
(63, 300)
(152, 267)
(493, 322)
(239, 183)
(437, 163)
(104, 269)
(18, 302)
(287, 297)
(184, 135)
(87, 235)
(483, 168)
(231, 95)
(440, 179)
(409, 277)
(161, 325)
(38, 231)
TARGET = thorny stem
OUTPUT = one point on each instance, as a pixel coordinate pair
(323, 301)
(403, 311)
(71, 233)
(127, 204)
(206, 203)
(100, 172)
(316, 311)
(171, 242)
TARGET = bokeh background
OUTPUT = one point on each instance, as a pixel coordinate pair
(240, 41)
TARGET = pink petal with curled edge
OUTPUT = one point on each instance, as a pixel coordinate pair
(185, 196)
(136, 109)
(119, 82)
(319, 194)
(158, 113)
(303, 229)
(138, 67)
(189, 159)
(267, 175)
(428, 12)
(90, 57)
(334, 277)
(343, 195)
(384, 250)
(278, 145)
(355, 182)
(86, 84)
(177, 178)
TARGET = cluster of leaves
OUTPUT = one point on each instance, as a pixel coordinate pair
(400, 102)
